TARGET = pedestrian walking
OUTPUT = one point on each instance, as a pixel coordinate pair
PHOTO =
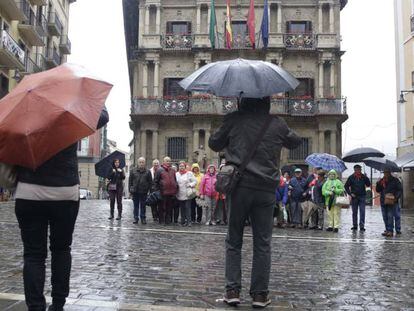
(196, 209)
(254, 195)
(355, 186)
(186, 192)
(281, 201)
(390, 190)
(318, 200)
(116, 189)
(165, 182)
(332, 188)
(47, 199)
(140, 182)
(208, 193)
(154, 207)
(297, 187)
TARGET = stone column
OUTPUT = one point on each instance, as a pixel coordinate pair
(320, 19)
(321, 79)
(333, 142)
(158, 20)
(279, 18)
(143, 149)
(331, 18)
(196, 139)
(154, 144)
(135, 81)
(321, 141)
(268, 17)
(156, 77)
(198, 19)
(141, 25)
(145, 79)
(208, 18)
(147, 16)
(206, 147)
(333, 78)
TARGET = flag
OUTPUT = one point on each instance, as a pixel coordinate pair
(212, 25)
(251, 28)
(264, 28)
(229, 32)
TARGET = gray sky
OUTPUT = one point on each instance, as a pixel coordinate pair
(368, 67)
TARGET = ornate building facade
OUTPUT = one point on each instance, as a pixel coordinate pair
(167, 40)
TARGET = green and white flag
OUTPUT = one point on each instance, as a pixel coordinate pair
(212, 32)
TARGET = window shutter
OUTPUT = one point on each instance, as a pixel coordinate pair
(288, 27)
(189, 28)
(169, 28)
(308, 26)
(165, 88)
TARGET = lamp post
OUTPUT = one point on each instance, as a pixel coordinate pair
(402, 99)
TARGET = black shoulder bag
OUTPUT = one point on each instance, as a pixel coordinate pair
(229, 175)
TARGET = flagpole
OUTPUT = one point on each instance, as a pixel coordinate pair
(217, 36)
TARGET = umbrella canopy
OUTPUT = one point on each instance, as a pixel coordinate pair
(240, 78)
(380, 164)
(47, 112)
(104, 167)
(326, 161)
(359, 154)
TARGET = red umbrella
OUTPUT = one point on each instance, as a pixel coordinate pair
(48, 112)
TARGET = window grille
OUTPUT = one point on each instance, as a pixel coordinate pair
(177, 148)
(301, 152)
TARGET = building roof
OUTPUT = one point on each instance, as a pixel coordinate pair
(343, 3)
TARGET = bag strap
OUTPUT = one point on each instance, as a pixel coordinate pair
(255, 144)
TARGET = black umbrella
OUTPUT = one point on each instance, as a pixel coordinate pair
(359, 154)
(381, 164)
(104, 167)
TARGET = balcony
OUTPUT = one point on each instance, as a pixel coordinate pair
(276, 40)
(52, 58)
(151, 41)
(240, 42)
(33, 30)
(327, 40)
(54, 25)
(65, 45)
(38, 2)
(202, 40)
(30, 67)
(299, 41)
(205, 105)
(177, 41)
(12, 55)
(16, 10)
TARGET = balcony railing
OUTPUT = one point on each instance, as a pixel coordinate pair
(299, 41)
(65, 45)
(239, 42)
(33, 29)
(205, 105)
(15, 9)
(177, 41)
(13, 53)
(54, 24)
(52, 58)
(31, 66)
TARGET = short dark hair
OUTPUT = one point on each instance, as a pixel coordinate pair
(357, 166)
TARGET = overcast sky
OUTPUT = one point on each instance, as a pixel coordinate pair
(368, 67)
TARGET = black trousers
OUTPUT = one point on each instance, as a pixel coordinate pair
(34, 218)
(196, 211)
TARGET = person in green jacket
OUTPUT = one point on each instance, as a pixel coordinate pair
(330, 190)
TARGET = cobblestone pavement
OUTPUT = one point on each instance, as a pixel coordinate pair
(121, 266)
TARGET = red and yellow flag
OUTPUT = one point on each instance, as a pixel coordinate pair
(251, 27)
(229, 32)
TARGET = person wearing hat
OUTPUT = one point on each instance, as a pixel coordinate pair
(297, 189)
(355, 186)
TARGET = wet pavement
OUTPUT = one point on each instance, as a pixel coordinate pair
(121, 266)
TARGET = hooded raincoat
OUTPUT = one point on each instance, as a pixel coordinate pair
(334, 186)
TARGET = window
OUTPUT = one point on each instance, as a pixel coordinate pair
(299, 27)
(239, 28)
(83, 146)
(178, 28)
(172, 88)
(301, 152)
(177, 148)
(305, 88)
(4, 86)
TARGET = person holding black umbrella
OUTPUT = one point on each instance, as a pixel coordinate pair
(390, 189)
(116, 189)
(355, 186)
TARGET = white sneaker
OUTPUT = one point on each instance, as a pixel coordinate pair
(213, 223)
(207, 223)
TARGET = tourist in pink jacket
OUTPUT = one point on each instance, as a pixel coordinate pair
(208, 193)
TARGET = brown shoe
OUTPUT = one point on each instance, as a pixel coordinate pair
(260, 300)
(232, 297)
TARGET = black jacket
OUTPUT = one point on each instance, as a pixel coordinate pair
(61, 170)
(117, 178)
(140, 181)
(239, 132)
(392, 186)
(357, 186)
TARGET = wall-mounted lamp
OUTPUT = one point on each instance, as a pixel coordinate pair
(402, 99)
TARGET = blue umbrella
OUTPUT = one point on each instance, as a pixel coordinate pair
(326, 161)
(104, 167)
(240, 78)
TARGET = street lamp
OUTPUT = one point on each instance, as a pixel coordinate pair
(402, 99)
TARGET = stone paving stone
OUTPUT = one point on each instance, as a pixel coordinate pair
(170, 266)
